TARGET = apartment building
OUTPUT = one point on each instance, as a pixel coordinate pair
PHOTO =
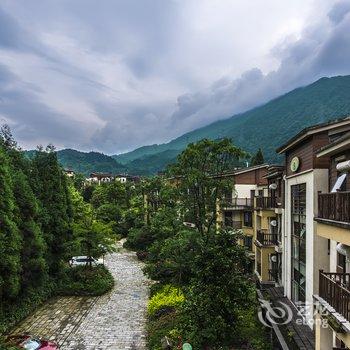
(237, 209)
(333, 223)
(305, 252)
(268, 214)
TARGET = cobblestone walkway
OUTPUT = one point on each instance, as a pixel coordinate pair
(115, 321)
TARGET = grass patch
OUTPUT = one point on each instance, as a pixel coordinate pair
(82, 280)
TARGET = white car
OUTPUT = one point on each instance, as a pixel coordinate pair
(84, 261)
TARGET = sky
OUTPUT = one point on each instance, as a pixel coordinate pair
(113, 75)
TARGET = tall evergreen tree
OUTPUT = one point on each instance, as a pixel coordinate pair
(50, 187)
(10, 240)
(258, 158)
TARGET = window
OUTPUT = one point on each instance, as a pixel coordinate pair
(298, 241)
(247, 219)
(248, 242)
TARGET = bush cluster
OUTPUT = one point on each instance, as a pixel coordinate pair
(168, 298)
(83, 280)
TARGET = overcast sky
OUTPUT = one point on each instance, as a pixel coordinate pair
(114, 75)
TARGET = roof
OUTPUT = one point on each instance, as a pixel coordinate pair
(340, 144)
(274, 171)
(245, 170)
(311, 130)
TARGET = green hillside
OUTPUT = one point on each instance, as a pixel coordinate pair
(267, 126)
(86, 163)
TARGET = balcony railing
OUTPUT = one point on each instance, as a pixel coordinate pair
(233, 224)
(266, 202)
(266, 238)
(238, 202)
(334, 289)
(334, 206)
(273, 275)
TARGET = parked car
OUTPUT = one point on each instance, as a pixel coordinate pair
(84, 261)
(29, 342)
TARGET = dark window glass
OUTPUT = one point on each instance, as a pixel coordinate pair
(298, 241)
(247, 219)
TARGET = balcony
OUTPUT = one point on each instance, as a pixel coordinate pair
(238, 203)
(265, 202)
(273, 275)
(229, 223)
(334, 207)
(265, 238)
(334, 289)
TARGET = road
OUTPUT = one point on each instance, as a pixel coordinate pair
(114, 321)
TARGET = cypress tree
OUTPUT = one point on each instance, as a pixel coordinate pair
(258, 158)
(50, 187)
(10, 240)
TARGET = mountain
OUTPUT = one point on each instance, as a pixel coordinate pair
(267, 126)
(86, 163)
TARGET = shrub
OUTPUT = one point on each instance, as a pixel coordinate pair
(139, 239)
(167, 298)
(84, 280)
(165, 325)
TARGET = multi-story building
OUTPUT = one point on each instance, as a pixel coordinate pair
(268, 224)
(237, 210)
(305, 252)
(333, 224)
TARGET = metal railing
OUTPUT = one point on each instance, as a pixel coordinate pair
(229, 223)
(266, 238)
(334, 206)
(265, 202)
(273, 275)
(334, 289)
(238, 202)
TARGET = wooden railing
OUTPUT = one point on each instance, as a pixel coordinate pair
(334, 289)
(334, 206)
(238, 202)
(266, 202)
(265, 238)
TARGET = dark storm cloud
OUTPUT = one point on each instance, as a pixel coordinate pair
(112, 75)
(322, 50)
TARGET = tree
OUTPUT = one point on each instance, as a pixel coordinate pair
(51, 188)
(258, 158)
(10, 239)
(218, 293)
(198, 178)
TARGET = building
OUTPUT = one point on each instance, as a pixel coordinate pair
(268, 217)
(123, 178)
(69, 172)
(333, 224)
(100, 178)
(237, 209)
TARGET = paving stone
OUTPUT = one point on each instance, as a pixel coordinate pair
(114, 321)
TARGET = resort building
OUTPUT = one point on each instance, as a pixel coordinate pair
(333, 224)
(268, 218)
(304, 252)
(237, 210)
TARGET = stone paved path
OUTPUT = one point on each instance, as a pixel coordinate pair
(115, 321)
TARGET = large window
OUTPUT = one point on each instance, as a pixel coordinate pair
(247, 219)
(298, 241)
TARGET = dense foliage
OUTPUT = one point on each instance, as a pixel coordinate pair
(44, 221)
(204, 292)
